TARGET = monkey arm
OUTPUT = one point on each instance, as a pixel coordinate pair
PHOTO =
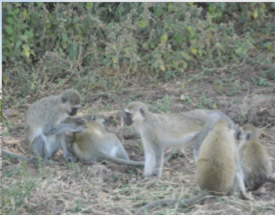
(63, 127)
(78, 120)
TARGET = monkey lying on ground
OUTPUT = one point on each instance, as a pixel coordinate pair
(256, 163)
(218, 169)
(160, 131)
(46, 124)
(95, 144)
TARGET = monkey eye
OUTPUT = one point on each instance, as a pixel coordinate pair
(128, 114)
(64, 99)
(248, 136)
(142, 111)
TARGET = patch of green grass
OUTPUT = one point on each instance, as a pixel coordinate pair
(162, 105)
(205, 102)
(260, 81)
(16, 192)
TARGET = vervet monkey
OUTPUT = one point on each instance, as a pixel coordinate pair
(46, 124)
(160, 131)
(218, 169)
(256, 163)
(95, 144)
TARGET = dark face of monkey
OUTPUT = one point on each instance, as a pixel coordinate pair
(73, 111)
(128, 118)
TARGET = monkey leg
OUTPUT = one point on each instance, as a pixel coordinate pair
(149, 160)
(61, 139)
(41, 148)
(159, 159)
(257, 182)
(38, 146)
(122, 153)
(239, 181)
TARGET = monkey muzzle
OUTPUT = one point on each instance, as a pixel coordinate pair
(73, 112)
(128, 118)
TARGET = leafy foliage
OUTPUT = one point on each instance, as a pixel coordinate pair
(94, 44)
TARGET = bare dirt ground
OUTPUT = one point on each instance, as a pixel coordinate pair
(107, 188)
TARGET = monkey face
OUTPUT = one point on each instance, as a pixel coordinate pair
(97, 119)
(73, 111)
(128, 118)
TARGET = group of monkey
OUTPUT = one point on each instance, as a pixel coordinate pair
(228, 158)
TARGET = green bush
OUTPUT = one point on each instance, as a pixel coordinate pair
(95, 44)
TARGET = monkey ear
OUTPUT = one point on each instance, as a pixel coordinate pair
(64, 99)
(142, 111)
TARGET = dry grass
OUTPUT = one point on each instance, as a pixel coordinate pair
(104, 189)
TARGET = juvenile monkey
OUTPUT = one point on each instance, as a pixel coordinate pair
(95, 144)
(256, 163)
(46, 124)
(218, 169)
(160, 131)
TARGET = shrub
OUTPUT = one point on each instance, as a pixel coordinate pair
(97, 43)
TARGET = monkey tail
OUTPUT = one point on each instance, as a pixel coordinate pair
(16, 156)
(164, 202)
(154, 204)
(122, 161)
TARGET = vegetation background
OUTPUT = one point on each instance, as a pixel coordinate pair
(174, 56)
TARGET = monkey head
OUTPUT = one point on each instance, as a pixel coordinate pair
(135, 113)
(250, 132)
(71, 101)
(96, 118)
(246, 133)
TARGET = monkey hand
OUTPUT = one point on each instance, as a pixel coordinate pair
(80, 129)
(81, 121)
(70, 158)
